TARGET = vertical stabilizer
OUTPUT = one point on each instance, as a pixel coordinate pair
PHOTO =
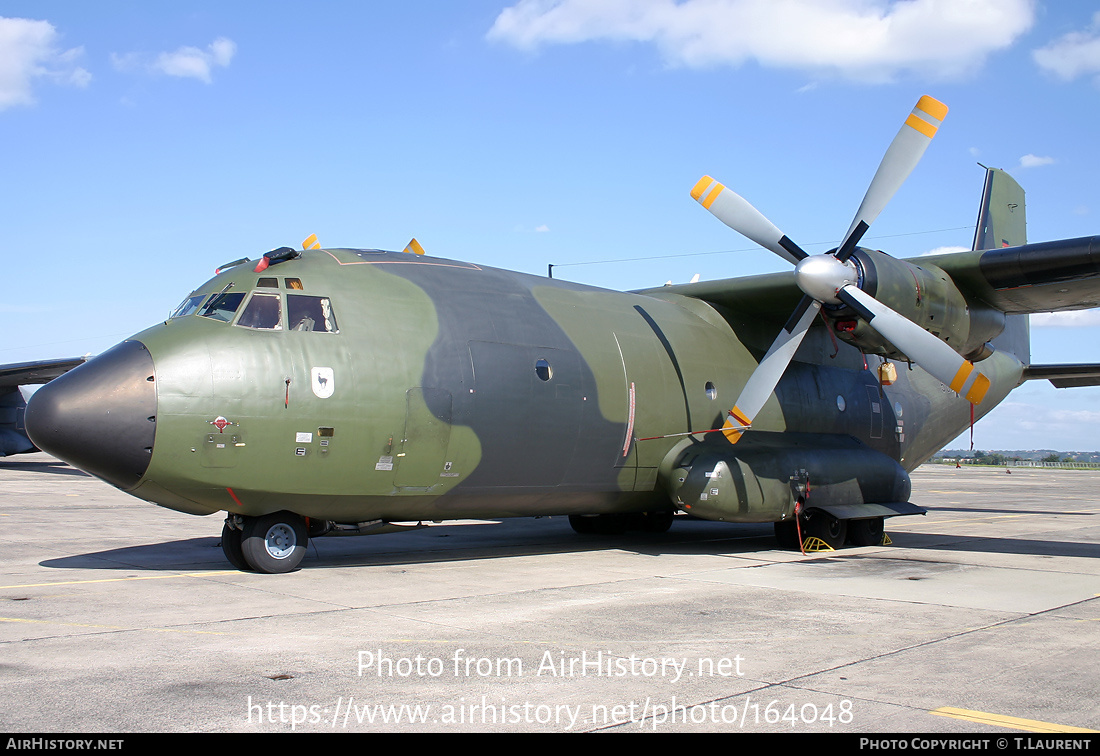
(1002, 220)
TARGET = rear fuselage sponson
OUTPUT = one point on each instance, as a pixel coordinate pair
(453, 390)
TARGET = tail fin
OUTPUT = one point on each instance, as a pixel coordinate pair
(1002, 220)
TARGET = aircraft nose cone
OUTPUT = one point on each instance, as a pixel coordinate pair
(100, 416)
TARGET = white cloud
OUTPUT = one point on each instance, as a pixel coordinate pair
(1034, 161)
(869, 40)
(186, 62)
(1074, 54)
(28, 52)
(1070, 319)
(195, 63)
(543, 229)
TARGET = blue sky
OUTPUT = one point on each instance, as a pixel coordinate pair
(146, 143)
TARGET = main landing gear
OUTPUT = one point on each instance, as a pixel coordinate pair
(831, 531)
(614, 524)
(272, 543)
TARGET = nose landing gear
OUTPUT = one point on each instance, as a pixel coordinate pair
(272, 543)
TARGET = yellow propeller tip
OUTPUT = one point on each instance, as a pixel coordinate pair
(932, 107)
(701, 186)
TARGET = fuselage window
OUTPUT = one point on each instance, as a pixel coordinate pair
(222, 306)
(543, 370)
(188, 306)
(263, 311)
(305, 313)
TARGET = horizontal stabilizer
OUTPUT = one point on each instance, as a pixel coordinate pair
(1065, 376)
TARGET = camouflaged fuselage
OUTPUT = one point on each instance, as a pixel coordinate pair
(450, 390)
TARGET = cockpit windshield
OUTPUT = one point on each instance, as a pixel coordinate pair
(187, 306)
(223, 306)
(263, 311)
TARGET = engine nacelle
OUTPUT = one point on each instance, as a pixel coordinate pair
(766, 474)
(925, 295)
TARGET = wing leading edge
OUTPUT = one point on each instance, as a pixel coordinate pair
(13, 435)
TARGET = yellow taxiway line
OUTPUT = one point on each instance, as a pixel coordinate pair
(121, 580)
(1015, 723)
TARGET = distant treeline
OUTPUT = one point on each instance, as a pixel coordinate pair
(1005, 457)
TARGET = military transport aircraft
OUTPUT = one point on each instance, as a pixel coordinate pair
(339, 391)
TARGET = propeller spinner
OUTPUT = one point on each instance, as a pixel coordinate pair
(832, 278)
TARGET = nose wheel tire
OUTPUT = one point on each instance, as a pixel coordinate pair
(231, 547)
(274, 543)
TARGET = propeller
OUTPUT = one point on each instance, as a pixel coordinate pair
(900, 159)
(832, 278)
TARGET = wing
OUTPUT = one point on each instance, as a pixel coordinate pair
(41, 371)
(1045, 277)
(13, 437)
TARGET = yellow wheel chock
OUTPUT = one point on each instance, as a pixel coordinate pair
(813, 545)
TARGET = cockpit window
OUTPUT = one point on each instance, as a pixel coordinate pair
(222, 306)
(263, 311)
(293, 283)
(188, 306)
(305, 313)
(267, 283)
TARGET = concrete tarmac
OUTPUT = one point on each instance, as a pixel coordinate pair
(982, 617)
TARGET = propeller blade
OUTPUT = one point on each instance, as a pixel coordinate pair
(733, 210)
(414, 248)
(311, 242)
(764, 379)
(899, 161)
(922, 347)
